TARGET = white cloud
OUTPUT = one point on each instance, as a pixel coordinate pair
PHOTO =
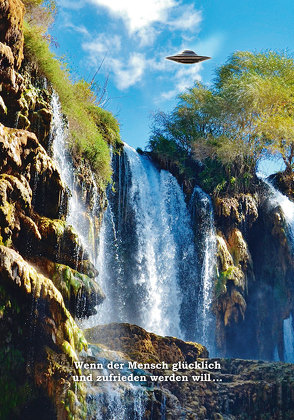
(184, 78)
(147, 36)
(129, 73)
(209, 46)
(101, 45)
(188, 19)
(68, 24)
(138, 14)
(147, 18)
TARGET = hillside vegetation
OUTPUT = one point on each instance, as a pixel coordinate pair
(91, 128)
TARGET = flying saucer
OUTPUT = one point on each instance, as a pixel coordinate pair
(187, 57)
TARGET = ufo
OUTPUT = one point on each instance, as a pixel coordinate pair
(187, 57)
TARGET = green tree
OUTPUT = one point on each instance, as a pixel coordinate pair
(245, 115)
(266, 83)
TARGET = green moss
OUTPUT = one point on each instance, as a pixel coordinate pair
(233, 274)
(76, 339)
(221, 281)
(49, 225)
(75, 402)
(70, 281)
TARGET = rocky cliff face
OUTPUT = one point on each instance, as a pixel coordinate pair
(46, 276)
(253, 291)
(47, 279)
(238, 390)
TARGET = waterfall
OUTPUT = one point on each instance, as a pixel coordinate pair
(147, 255)
(288, 339)
(114, 401)
(146, 260)
(203, 217)
(287, 206)
(61, 156)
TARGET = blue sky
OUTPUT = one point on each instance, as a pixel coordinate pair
(133, 38)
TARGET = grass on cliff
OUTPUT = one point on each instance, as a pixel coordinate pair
(91, 127)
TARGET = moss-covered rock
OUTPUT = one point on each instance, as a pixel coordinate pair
(81, 294)
(60, 243)
(49, 334)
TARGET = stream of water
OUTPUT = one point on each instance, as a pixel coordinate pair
(147, 255)
(287, 206)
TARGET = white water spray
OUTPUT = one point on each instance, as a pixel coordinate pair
(200, 201)
(146, 289)
(122, 401)
(287, 206)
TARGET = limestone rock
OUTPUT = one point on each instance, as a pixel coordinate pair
(11, 21)
(143, 346)
(45, 335)
(81, 293)
(240, 389)
(241, 208)
(23, 154)
(7, 74)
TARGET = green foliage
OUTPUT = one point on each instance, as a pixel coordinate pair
(90, 126)
(246, 115)
(265, 82)
(107, 124)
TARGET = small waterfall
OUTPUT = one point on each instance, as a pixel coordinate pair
(287, 206)
(288, 340)
(77, 214)
(202, 213)
(116, 401)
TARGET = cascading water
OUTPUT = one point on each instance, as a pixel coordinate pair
(202, 211)
(288, 328)
(62, 158)
(148, 265)
(114, 401)
(147, 256)
(287, 206)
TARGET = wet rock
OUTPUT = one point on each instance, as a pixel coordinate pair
(23, 154)
(284, 182)
(235, 389)
(61, 244)
(7, 74)
(143, 346)
(237, 210)
(41, 331)
(81, 294)
(15, 202)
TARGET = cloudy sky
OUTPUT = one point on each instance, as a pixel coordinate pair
(125, 42)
